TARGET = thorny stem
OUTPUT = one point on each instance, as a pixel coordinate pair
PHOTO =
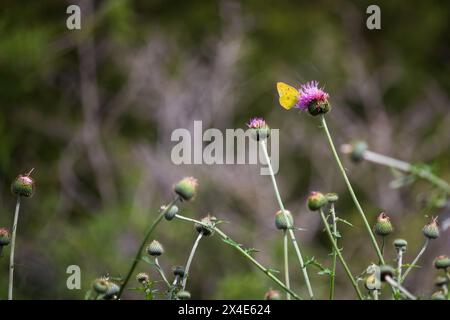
(244, 253)
(350, 189)
(341, 258)
(161, 272)
(399, 287)
(333, 268)
(13, 245)
(191, 256)
(424, 247)
(286, 264)
(289, 226)
(144, 241)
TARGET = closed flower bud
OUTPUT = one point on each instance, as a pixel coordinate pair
(100, 285)
(183, 295)
(431, 230)
(383, 226)
(280, 220)
(113, 289)
(332, 197)
(170, 214)
(259, 129)
(208, 221)
(272, 295)
(400, 244)
(438, 295)
(186, 188)
(356, 150)
(5, 238)
(441, 281)
(371, 282)
(23, 185)
(316, 200)
(179, 271)
(142, 277)
(155, 248)
(442, 262)
(386, 271)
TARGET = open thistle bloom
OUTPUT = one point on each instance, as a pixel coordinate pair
(259, 129)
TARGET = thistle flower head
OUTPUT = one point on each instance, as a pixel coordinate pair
(5, 238)
(206, 224)
(316, 200)
(100, 285)
(23, 185)
(178, 271)
(280, 220)
(383, 226)
(142, 277)
(155, 248)
(259, 129)
(170, 214)
(186, 188)
(442, 262)
(313, 99)
(431, 230)
(400, 244)
(183, 295)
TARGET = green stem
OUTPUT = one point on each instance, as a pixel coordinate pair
(382, 247)
(350, 189)
(399, 287)
(424, 247)
(341, 258)
(399, 266)
(289, 226)
(143, 243)
(244, 253)
(191, 256)
(375, 294)
(13, 246)
(334, 261)
(286, 264)
(161, 272)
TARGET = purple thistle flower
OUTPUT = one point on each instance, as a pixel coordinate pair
(257, 123)
(259, 129)
(310, 93)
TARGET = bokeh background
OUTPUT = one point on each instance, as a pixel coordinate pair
(93, 110)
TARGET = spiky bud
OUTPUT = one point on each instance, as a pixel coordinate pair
(386, 271)
(179, 271)
(400, 244)
(272, 295)
(183, 295)
(316, 200)
(170, 214)
(113, 289)
(5, 238)
(23, 185)
(259, 129)
(280, 220)
(186, 188)
(383, 227)
(100, 285)
(438, 295)
(431, 230)
(441, 281)
(371, 282)
(142, 277)
(206, 230)
(155, 248)
(332, 197)
(442, 262)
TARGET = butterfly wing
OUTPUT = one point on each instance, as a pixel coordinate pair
(288, 95)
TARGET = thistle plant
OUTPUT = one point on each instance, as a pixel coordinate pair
(261, 132)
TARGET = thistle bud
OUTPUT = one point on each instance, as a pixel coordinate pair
(170, 214)
(179, 271)
(142, 277)
(183, 295)
(23, 185)
(442, 262)
(383, 226)
(332, 197)
(441, 281)
(259, 129)
(438, 295)
(431, 230)
(272, 295)
(386, 271)
(113, 289)
(100, 285)
(186, 188)
(356, 150)
(371, 282)
(155, 249)
(400, 244)
(204, 230)
(316, 200)
(5, 238)
(280, 220)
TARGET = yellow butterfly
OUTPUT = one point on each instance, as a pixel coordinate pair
(288, 95)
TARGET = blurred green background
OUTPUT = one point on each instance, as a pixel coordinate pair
(92, 110)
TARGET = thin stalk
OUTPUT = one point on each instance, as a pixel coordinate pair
(399, 266)
(289, 226)
(191, 256)
(161, 272)
(424, 247)
(375, 294)
(341, 258)
(334, 261)
(13, 246)
(383, 242)
(244, 253)
(144, 241)
(350, 189)
(286, 264)
(400, 287)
